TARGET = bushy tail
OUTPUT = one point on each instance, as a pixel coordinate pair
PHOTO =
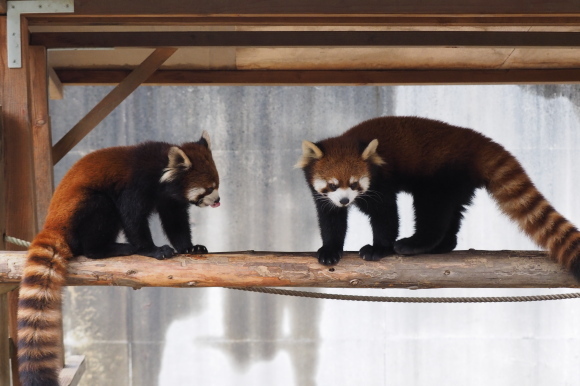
(517, 196)
(39, 310)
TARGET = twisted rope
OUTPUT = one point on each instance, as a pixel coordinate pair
(381, 299)
(393, 299)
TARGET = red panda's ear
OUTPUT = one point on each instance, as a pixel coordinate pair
(177, 161)
(204, 140)
(310, 152)
(370, 153)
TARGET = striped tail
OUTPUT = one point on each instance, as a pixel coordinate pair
(39, 310)
(517, 196)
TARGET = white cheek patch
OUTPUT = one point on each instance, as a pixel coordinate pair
(365, 183)
(194, 193)
(340, 194)
(210, 198)
(319, 184)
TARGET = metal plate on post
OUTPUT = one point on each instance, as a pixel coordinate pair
(14, 11)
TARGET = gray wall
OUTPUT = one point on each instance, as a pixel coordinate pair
(164, 336)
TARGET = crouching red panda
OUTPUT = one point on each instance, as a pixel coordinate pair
(107, 191)
(440, 165)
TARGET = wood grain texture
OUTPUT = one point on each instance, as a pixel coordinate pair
(41, 133)
(71, 374)
(110, 102)
(307, 39)
(306, 20)
(324, 78)
(324, 7)
(459, 269)
(4, 336)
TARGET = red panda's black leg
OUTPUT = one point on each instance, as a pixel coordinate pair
(135, 219)
(381, 207)
(333, 222)
(174, 217)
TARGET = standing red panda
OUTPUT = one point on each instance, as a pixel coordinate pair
(440, 165)
(107, 191)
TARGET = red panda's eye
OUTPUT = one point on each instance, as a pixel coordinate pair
(354, 186)
(208, 190)
(332, 187)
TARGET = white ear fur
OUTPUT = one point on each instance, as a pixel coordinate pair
(177, 160)
(309, 152)
(205, 135)
(370, 153)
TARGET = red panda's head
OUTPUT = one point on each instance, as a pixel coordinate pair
(338, 169)
(191, 165)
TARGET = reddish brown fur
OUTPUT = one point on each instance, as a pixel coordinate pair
(420, 148)
(109, 170)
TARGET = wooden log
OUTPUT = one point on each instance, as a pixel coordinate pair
(459, 269)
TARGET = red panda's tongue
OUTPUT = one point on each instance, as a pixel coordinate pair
(215, 205)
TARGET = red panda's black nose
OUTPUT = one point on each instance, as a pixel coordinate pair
(344, 201)
(217, 200)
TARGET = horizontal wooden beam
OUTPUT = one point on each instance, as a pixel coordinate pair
(325, 78)
(330, 20)
(477, 39)
(322, 7)
(465, 269)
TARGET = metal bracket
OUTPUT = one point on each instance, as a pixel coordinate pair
(13, 33)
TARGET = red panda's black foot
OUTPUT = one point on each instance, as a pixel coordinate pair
(193, 250)
(374, 252)
(329, 255)
(575, 268)
(159, 253)
(447, 245)
(408, 247)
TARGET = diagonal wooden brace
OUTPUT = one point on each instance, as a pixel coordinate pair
(111, 101)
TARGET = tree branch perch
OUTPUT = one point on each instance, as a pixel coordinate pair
(459, 269)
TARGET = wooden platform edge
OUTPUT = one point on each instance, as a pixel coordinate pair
(459, 269)
(72, 372)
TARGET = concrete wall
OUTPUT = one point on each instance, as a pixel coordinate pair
(164, 336)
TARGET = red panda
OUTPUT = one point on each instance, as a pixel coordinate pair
(107, 191)
(441, 166)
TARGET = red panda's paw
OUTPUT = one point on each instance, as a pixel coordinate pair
(159, 253)
(193, 250)
(374, 252)
(329, 255)
(409, 247)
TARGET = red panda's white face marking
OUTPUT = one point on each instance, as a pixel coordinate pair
(203, 197)
(341, 193)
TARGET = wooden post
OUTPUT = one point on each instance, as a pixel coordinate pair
(20, 207)
(41, 133)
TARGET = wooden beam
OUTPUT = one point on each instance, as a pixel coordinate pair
(330, 20)
(110, 102)
(307, 39)
(71, 374)
(465, 269)
(325, 77)
(41, 133)
(3, 7)
(324, 7)
(54, 85)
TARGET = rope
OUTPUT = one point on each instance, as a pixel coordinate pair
(381, 299)
(393, 299)
(14, 240)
